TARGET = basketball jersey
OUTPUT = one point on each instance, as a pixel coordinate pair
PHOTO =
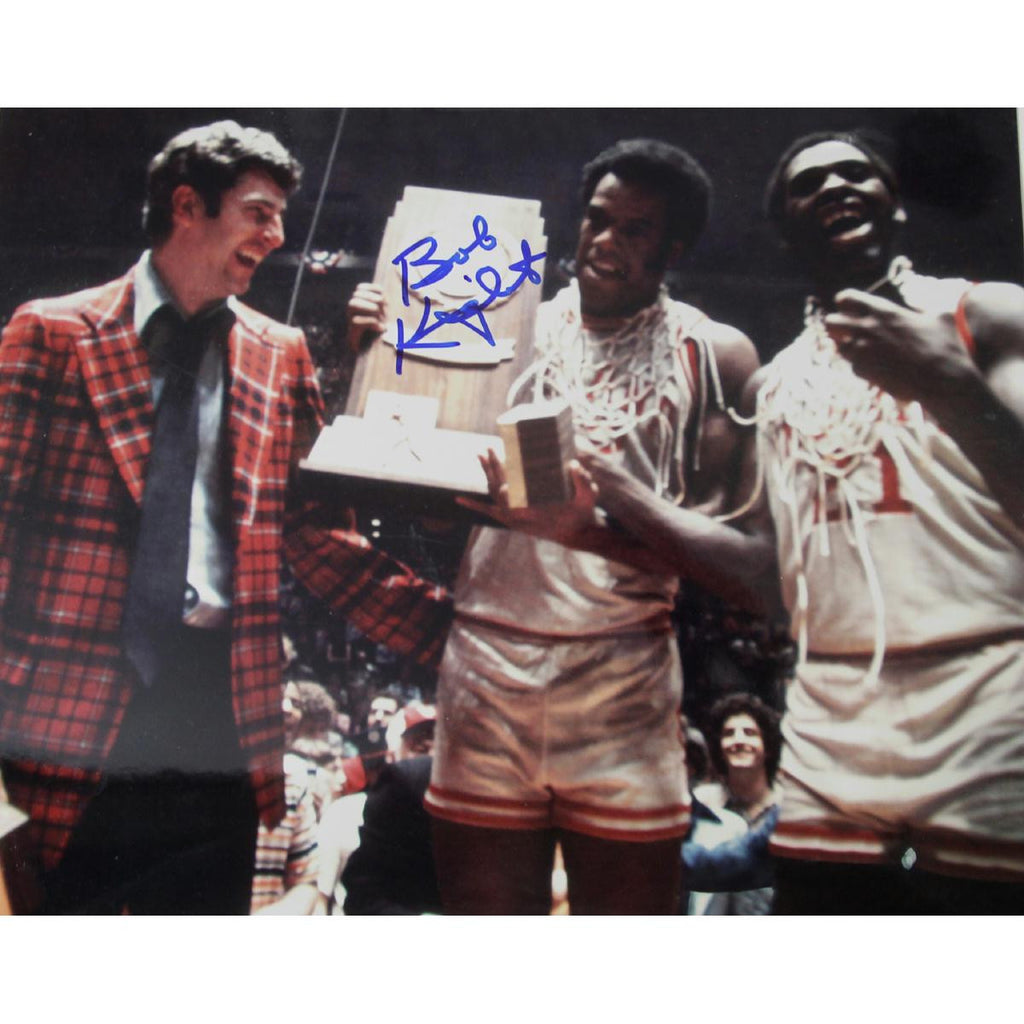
(632, 392)
(888, 537)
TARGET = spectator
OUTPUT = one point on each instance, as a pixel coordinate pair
(317, 709)
(745, 747)
(339, 827)
(410, 732)
(383, 708)
(287, 858)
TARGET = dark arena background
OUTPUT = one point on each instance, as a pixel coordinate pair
(71, 192)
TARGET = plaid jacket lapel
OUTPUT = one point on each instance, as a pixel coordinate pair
(115, 368)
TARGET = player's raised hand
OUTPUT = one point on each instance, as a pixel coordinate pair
(910, 354)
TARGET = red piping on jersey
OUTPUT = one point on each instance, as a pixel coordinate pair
(659, 624)
(962, 327)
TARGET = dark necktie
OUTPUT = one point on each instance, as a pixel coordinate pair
(156, 587)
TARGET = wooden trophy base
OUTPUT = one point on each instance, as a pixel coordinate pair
(394, 459)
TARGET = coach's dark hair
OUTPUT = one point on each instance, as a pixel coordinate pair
(774, 193)
(768, 721)
(665, 168)
(211, 159)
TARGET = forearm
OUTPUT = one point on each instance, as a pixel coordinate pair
(738, 566)
(616, 545)
(378, 594)
(966, 370)
(989, 434)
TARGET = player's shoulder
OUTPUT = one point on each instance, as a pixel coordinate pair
(995, 309)
(734, 353)
(728, 340)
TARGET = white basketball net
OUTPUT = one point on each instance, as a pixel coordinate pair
(815, 411)
(618, 382)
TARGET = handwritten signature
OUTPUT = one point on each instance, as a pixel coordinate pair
(470, 313)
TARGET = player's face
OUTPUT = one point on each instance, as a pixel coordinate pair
(227, 249)
(836, 207)
(622, 251)
(742, 743)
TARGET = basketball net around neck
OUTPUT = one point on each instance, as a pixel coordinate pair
(621, 380)
(815, 412)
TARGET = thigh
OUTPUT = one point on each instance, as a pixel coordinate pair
(493, 870)
(804, 887)
(488, 745)
(615, 753)
(615, 877)
(947, 895)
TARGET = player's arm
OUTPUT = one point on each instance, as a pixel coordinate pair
(575, 524)
(651, 533)
(978, 399)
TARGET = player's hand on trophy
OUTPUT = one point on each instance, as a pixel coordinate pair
(562, 523)
(615, 487)
(367, 315)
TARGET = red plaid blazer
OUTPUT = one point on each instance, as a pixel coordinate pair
(76, 416)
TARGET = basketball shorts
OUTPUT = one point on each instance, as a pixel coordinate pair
(926, 765)
(581, 734)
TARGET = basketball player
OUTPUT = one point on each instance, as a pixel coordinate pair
(890, 437)
(560, 686)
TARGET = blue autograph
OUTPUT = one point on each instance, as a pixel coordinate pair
(471, 312)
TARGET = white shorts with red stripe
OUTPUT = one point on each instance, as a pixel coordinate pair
(580, 734)
(930, 760)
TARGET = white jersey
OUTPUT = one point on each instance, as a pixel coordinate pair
(890, 541)
(888, 538)
(632, 392)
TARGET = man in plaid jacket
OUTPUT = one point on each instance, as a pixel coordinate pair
(127, 784)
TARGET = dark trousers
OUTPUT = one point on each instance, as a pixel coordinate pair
(172, 829)
(817, 887)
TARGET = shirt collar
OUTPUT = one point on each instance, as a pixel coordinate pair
(151, 294)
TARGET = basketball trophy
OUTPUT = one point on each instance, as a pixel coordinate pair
(461, 274)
